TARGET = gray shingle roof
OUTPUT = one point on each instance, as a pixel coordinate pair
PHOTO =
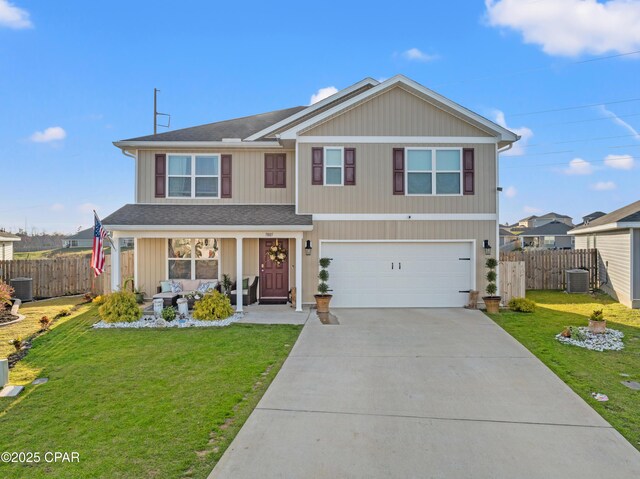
(554, 215)
(207, 215)
(550, 229)
(235, 128)
(83, 234)
(626, 214)
(9, 236)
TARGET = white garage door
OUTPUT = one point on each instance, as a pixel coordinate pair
(399, 274)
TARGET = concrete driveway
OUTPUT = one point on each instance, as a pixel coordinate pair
(421, 393)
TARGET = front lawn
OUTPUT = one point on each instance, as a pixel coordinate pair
(138, 403)
(583, 370)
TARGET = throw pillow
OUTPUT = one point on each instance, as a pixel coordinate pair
(245, 283)
(176, 287)
(204, 287)
(165, 286)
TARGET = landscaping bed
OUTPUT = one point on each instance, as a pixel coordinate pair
(138, 403)
(7, 317)
(586, 371)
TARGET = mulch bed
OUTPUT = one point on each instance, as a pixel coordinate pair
(7, 317)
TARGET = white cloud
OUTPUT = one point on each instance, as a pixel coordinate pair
(578, 166)
(532, 210)
(322, 93)
(13, 17)
(621, 122)
(53, 133)
(510, 192)
(416, 55)
(57, 207)
(570, 27)
(604, 186)
(619, 162)
(87, 207)
(525, 135)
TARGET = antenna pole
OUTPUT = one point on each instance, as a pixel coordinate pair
(155, 111)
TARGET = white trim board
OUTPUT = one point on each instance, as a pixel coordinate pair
(398, 139)
(230, 231)
(152, 145)
(607, 227)
(405, 217)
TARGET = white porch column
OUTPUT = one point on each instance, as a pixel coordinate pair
(298, 272)
(115, 261)
(239, 274)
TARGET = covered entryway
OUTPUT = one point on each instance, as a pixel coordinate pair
(274, 277)
(400, 273)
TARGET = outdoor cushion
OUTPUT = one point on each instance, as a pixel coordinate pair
(165, 295)
(244, 291)
(190, 285)
(176, 287)
(165, 286)
(245, 283)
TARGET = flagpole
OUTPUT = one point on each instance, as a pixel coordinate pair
(108, 237)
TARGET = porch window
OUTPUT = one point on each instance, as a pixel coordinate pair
(193, 258)
(334, 166)
(433, 171)
(193, 176)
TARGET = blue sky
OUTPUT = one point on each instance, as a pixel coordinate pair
(78, 75)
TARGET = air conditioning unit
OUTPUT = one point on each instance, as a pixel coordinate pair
(577, 280)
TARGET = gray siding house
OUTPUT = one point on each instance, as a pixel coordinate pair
(616, 236)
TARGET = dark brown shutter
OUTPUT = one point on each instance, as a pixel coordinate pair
(349, 166)
(225, 176)
(317, 166)
(468, 171)
(398, 171)
(275, 170)
(161, 175)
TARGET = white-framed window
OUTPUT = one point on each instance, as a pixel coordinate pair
(333, 165)
(193, 258)
(193, 176)
(433, 171)
(549, 240)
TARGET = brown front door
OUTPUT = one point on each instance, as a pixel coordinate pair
(274, 279)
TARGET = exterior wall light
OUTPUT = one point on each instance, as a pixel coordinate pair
(307, 248)
(487, 247)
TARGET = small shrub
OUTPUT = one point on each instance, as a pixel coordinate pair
(169, 313)
(491, 276)
(522, 305)
(323, 276)
(120, 306)
(212, 306)
(99, 300)
(6, 292)
(44, 322)
(62, 313)
(16, 343)
(577, 333)
(88, 297)
(597, 315)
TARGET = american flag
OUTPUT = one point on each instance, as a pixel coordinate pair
(97, 254)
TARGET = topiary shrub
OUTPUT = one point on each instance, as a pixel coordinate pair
(213, 306)
(120, 306)
(169, 313)
(522, 305)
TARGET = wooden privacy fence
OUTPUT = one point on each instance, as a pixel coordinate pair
(66, 274)
(545, 269)
(512, 280)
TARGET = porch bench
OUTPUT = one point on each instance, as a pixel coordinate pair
(249, 296)
(188, 287)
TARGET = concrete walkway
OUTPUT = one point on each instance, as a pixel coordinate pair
(442, 393)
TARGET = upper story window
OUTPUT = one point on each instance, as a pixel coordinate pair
(434, 171)
(193, 176)
(334, 166)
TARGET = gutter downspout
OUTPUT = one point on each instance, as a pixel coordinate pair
(497, 243)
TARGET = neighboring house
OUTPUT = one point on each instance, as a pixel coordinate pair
(84, 239)
(394, 182)
(590, 217)
(616, 236)
(535, 221)
(6, 245)
(508, 240)
(554, 235)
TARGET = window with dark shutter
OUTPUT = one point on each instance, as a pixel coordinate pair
(317, 166)
(275, 170)
(468, 172)
(225, 176)
(398, 171)
(349, 166)
(161, 175)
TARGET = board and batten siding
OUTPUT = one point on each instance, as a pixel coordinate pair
(394, 230)
(614, 251)
(247, 178)
(373, 191)
(151, 268)
(396, 112)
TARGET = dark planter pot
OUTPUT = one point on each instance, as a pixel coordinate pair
(322, 302)
(492, 303)
(139, 298)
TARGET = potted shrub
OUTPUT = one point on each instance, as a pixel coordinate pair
(323, 298)
(226, 285)
(491, 301)
(597, 323)
(136, 291)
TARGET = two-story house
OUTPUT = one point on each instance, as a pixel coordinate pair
(394, 182)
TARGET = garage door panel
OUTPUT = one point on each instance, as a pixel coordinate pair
(424, 274)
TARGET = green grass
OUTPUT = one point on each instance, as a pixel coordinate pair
(51, 253)
(583, 370)
(139, 403)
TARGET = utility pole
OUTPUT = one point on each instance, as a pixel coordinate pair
(156, 114)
